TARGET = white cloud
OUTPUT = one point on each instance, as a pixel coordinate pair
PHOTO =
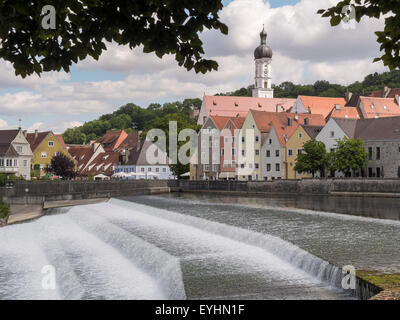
(3, 124)
(306, 48)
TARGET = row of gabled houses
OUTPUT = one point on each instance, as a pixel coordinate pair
(245, 138)
(24, 154)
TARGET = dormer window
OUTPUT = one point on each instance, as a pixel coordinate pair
(214, 103)
(259, 105)
(290, 120)
(372, 106)
(337, 106)
(384, 107)
(236, 104)
(306, 121)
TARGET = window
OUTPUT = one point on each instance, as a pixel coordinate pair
(226, 140)
(233, 151)
(306, 121)
(1, 162)
(250, 166)
(148, 169)
(370, 153)
(257, 138)
(277, 167)
(243, 153)
(257, 152)
(233, 139)
(15, 163)
(268, 154)
(44, 155)
(332, 134)
(300, 135)
(290, 152)
(222, 152)
(276, 153)
(378, 153)
(242, 139)
(206, 167)
(270, 141)
(225, 163)
(164, 170)
(142, 169)
(256, 166)
(242, 165)
(233, 164)
(268, 167)
(8, 162)
(51, 143)
(299, 151)
(19, 149)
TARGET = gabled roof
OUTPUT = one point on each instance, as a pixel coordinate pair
(130, 141)
(280, 122)
(81, 153)
(112, 139)
(345, 112)
(312, 131)
(391, 93)
(321, 105)
(348, 126)
(138, 156)
(387, 128)
(230, 106)
(220, 121)
(7, 149)
(103, 163)
(36, 139)
(60, 137)
(7, 136)
(238, 122)
(379, 107)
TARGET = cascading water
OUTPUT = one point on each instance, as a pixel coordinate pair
(124, 250)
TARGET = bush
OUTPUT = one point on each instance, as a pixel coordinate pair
(4, 210)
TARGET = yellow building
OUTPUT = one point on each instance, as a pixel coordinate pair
(44, 146)
(294, 146)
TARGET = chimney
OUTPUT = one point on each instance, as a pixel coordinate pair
(36, 134)
(348, 96)
(386, 91)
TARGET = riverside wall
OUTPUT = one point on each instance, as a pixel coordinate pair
(38, 192)
(356, 187)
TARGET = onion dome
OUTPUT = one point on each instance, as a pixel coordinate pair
(263, 51)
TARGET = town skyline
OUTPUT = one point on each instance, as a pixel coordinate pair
(58, 100)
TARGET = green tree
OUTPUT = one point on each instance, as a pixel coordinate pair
(4, 210)
(84, 27)
(349, 156)
(389, 38)
(313, 158)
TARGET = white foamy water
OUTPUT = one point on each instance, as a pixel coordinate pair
(125, 250)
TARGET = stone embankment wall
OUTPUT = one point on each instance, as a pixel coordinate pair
(358, 187)
(37, 192)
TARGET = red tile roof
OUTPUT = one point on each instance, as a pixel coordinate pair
(35, 140)
(229, 106)
(379, 107)
(321, 105)
(220, 121)
(112, 139)
(103, 163)
(265, 121)
(130, 142)
(82, 154)
(345, 112)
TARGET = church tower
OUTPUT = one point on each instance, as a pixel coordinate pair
(263, 77)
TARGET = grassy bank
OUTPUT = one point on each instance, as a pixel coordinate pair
(389, 283)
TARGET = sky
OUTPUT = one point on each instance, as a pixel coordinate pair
(305, 49)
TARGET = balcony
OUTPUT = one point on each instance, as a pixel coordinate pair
(4, 169)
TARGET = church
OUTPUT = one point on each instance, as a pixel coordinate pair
(263, 93)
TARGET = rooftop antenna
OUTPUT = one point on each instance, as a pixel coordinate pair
(19, 120)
